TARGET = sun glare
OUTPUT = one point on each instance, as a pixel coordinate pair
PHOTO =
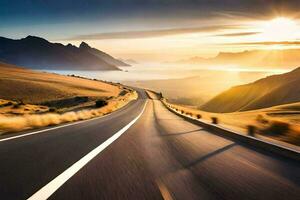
(280, 29)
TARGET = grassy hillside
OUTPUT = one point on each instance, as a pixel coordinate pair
(38, 87)
(31, 99)
(270, 91)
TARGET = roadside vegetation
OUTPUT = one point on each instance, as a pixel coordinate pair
(281, 123)
(29, 121)
(31, 99)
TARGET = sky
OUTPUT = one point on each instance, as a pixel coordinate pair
(158, 30)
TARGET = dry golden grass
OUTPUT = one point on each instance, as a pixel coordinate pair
(29, 121)
(262, 120)
(73, 98)
(37, 87)
(10, 108)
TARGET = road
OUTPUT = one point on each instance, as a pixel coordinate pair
(159, 156)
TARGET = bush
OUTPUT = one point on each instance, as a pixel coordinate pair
(81, 99)
(261, 119)
(251, 130)
(7, 104)
(160, 95)
(123, 93)
(100, 103)
(52, 109)
(277, 128)
(214, 120)
(198, 116)
(21, 103)
(77, 98)
(16, 106)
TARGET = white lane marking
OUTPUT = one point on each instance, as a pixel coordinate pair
(53, 128)
(46, 191)
(164, 190)
(48, 129)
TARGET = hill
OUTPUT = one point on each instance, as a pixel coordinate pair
(31, 99)
(130, 61)
(286, 58)
(38, 53)
(270, 91)
(38, 87)
(200, 86)
(102, 55)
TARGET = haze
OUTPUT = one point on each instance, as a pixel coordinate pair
(157, 30)
(150, 99)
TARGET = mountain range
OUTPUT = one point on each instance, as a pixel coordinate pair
(129, 61)
(38, 53)
(270, 91)
(285, 58)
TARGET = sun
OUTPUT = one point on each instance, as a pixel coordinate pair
(280, 29)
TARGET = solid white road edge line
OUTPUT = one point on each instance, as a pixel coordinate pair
(46, 191)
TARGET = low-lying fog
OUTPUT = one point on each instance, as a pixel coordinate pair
(186, 84)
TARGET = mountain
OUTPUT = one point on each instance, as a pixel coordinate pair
(130, 61)
(102, 55)
(270, 91)
(38, 53)
(285, 58)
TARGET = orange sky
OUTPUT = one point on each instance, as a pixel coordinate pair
(214, 36)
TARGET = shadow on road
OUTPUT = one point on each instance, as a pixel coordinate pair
(181, 133)
(209, 155)
(286, 168)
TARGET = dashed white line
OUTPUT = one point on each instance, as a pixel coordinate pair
(46, 191)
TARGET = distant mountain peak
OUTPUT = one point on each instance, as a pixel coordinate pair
(84, 45)
(106, 57)
(31, 37)
(38, 53)
(34, 40)
(71, 45)
(296, 70)
(272, 59)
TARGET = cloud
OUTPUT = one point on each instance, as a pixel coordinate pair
(264, 43)
(151, 33)
(237, 34)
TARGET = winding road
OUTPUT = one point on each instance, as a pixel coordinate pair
(142, 151)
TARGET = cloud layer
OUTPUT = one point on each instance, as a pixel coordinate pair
(265, 43)
(151, 33)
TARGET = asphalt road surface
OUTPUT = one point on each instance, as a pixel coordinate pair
(158, 155)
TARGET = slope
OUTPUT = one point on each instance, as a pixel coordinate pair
(38, 53)
(266, 92)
